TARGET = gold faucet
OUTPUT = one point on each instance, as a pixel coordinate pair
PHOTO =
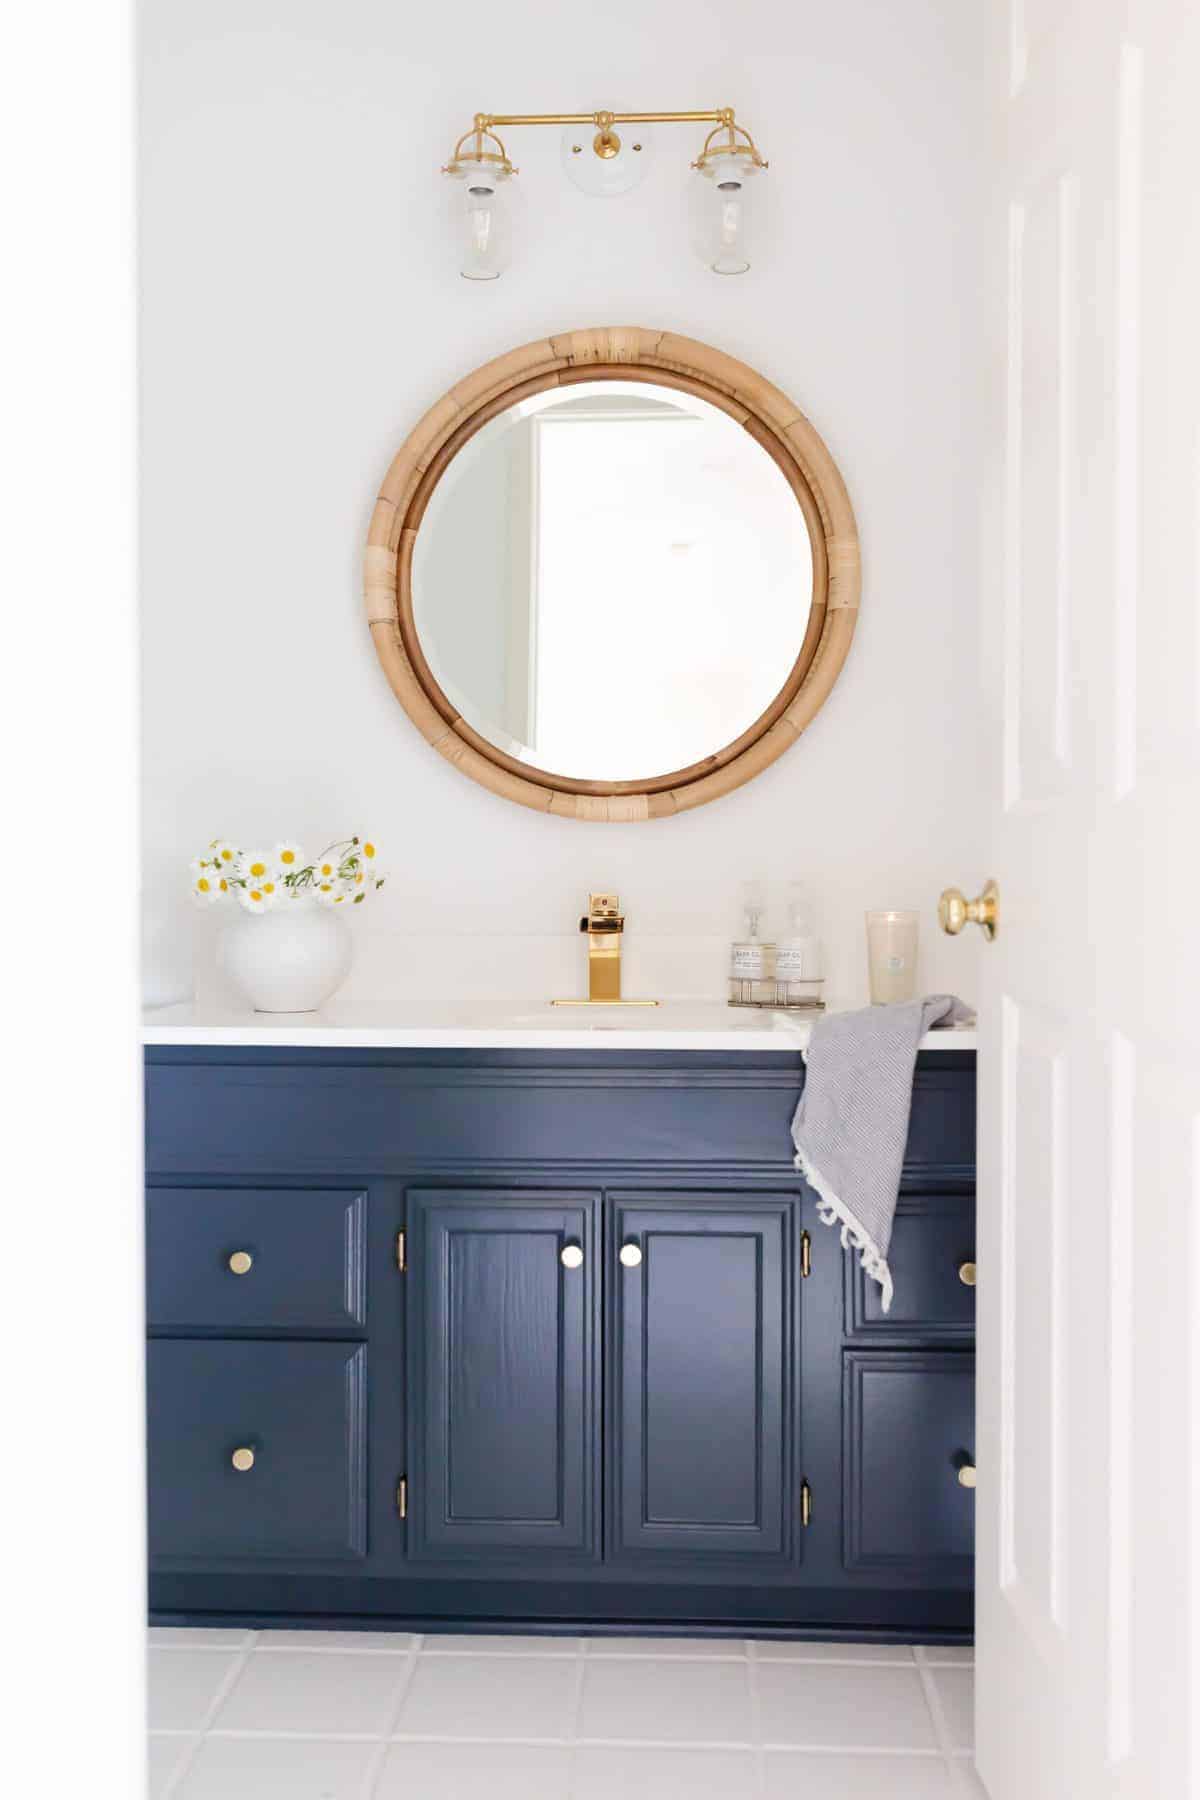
(604, 925)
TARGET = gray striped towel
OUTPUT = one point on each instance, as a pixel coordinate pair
(851, 1124)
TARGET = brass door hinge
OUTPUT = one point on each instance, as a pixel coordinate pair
(805, 1255)
(402, 1496)
(402, 1252)
(805, 1503)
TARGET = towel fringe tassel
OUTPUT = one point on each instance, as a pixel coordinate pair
(832, 1210)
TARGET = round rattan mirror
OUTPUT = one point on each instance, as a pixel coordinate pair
(612, 575)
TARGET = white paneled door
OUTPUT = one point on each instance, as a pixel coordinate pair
(1088, 1497)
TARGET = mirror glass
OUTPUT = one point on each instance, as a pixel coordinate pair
(612, 581)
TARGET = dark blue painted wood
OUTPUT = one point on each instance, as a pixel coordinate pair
(933, 1235)
(583, 1128)
(908, 1424)
(324, 1113)
(700, 1439)
(308, 1271)
(502, 1348)
(299, 1407)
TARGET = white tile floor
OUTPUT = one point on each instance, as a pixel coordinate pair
(297, 1715)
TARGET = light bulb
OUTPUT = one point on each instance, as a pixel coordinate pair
(485, 226)
(722, 203)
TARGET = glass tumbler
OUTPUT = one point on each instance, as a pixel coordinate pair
(892, 956)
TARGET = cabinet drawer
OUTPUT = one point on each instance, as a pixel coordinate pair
(229, 1259)
(297, 1409)
(932, 1249)
(908, 1423)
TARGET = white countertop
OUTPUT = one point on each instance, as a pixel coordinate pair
(674, 1025)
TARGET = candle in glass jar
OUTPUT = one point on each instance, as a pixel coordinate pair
(892, 956)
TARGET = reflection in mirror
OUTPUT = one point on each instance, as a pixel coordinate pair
(612, 581)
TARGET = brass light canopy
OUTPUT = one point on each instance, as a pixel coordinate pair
(728, 156)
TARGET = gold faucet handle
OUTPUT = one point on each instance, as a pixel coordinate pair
(603, 913)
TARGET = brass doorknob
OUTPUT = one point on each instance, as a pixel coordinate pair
(242, 1459)
(631, 1255)
(966, 1475)
(571, 1256)
(241, 1262)
(966, 1274)
(955, 910)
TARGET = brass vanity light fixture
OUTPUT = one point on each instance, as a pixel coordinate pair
(605, 164)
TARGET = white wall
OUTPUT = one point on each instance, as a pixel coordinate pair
(301, 310)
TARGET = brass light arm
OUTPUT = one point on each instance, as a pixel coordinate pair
(734, 138)
(597, 118)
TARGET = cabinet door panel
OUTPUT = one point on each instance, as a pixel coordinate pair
(502, 1343)
(908, 1426)
(702, 1377)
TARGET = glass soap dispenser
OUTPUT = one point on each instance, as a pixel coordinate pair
(799, 965)
(752, 958)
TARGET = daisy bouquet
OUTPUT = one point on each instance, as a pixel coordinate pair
(342, 875)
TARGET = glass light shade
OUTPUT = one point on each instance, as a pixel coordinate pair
(721, 189)
(485, 225)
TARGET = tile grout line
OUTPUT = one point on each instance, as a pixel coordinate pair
(574, 1714)
(750, 1651)
(941, 1730)
(184, 1766)
(374, 1769)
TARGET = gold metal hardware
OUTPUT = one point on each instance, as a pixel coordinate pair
(955, 911)
(571, 1256)
(966, 1475)
(241, 1262)
(630, 1255)
(966, 1274)
(604, 926)
(402, 1251)
(805, 1254)
(733, 139)
(402, 1496)
(805, 1503)
(243, 1459)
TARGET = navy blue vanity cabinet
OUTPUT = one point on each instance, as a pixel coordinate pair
(548, 1341)
(703, 1376)
(503, 1376)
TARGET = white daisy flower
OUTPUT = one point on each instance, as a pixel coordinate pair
(326, 867)
(224, 854)
(259, 896)
(257, 865)
(288, 857)
(369, 851)
(207, 886)
(325, 891)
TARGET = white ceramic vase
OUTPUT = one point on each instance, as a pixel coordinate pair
(289, 960)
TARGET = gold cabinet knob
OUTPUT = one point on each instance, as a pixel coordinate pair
(631, 1255)
(241, 1262)
(955, 910)
(571, 1256)
(966, 1274)
(966, 1475)
(243, 1459)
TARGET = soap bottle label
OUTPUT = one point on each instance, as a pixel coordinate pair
(749, 961)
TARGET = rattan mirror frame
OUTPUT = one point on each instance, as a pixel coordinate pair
(618, 353)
